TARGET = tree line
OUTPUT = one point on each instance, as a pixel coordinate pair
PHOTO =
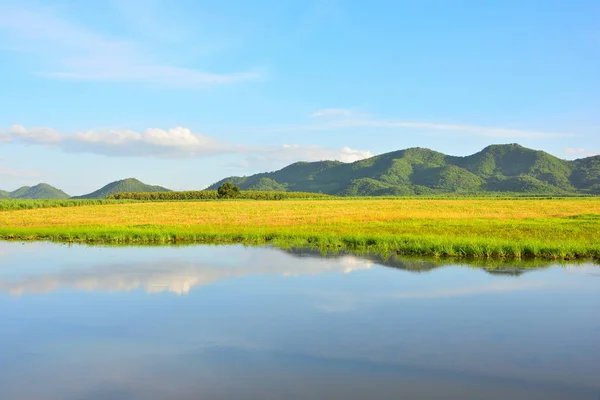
(225, 191)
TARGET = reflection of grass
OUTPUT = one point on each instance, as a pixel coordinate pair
(499, 266)
(477, 228)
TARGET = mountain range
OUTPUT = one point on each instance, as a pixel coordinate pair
(508, 168)
(45, 191)
(39, 191)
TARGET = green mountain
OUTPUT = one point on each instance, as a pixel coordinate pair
(416, 171)
(20, 192)
(39, 191)
(125, 185)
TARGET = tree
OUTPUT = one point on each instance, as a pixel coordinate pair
(228, 191)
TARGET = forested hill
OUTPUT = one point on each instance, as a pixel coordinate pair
(507, 168)
(39, 191)
(130, 185)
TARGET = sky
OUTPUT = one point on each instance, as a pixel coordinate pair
(184, 93)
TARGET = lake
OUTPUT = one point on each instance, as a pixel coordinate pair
(234, 322)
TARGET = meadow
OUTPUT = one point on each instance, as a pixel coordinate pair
(479, 228)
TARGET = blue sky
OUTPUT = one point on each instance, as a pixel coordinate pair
(183, 93)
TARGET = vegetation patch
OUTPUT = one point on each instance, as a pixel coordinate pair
(226, 193)
(10, 204)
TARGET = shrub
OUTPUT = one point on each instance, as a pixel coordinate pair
(228, 191)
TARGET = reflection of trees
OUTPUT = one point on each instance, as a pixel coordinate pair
(177, 276)
(413, 264)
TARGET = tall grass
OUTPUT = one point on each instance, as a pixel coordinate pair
(15, 204)
(406, 245)
(212, 195)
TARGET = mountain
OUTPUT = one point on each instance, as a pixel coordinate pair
(20, 192)
(415, 171)
(39, 191)
(125, 185)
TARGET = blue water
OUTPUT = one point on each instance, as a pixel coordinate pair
(230, 322)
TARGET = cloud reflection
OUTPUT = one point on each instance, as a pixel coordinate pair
(173, 276)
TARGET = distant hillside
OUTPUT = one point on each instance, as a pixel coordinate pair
(130, 185)
(39, 191)
(415, 171)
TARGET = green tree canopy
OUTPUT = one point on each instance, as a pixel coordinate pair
(228, 191)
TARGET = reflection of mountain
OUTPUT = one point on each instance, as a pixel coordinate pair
(171, 276)
(416, 265)
(492, 266)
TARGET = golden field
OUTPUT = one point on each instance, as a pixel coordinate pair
(569, 226)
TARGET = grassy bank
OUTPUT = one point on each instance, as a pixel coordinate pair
(479, 228)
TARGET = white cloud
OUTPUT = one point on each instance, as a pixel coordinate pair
(579, 151)
(338, 113)
(178, 137)
(317, 153)
(274, 157)
(470, 129)
(108, 137)
(35, 135)
(340, 119)
(71, 51)
(175, 142)
(9, 172)
(179, 142)
(162, 75)
(4, 136)
(350, 155)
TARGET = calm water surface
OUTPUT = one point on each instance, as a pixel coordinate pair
(258, 323)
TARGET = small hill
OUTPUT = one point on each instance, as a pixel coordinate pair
(39, 191)
(417, 171)
(130, 185)
(586, 173)
(17, 194)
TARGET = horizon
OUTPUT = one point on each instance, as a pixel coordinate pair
(182, 95)
(296, 162)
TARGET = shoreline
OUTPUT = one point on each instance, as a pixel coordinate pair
(405, 245)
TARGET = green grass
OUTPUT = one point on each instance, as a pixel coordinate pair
(413, 245)
(14, 204)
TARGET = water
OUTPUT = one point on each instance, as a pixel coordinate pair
(231, 322)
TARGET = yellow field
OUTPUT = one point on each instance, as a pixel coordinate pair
(563, 226)
(295, 213)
